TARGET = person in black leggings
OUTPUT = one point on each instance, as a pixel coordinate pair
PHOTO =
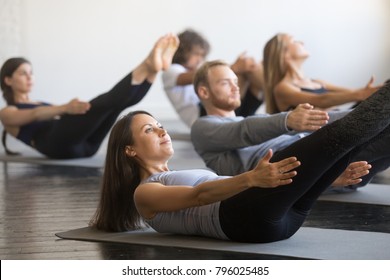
(75, 129)
(323, 156)
(249, 139)
(266, 204)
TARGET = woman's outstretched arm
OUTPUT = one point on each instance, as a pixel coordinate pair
(12, 116)
(288, 95)
(151, 198)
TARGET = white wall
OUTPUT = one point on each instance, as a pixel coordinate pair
(82, 47)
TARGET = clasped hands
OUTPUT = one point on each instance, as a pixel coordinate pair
(77, 107)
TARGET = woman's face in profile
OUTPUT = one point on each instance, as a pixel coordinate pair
(151, 140)
(22, 80)
(294, 49)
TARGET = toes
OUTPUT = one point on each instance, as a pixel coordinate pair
(169, 51)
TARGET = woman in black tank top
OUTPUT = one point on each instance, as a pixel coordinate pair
(75, 129)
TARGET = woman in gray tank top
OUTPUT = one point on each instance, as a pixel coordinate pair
(266, 204)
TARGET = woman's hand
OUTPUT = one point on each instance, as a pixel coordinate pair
(352, 174)
(77, 107)
(369, 89)
(270, 175)
(243, 64)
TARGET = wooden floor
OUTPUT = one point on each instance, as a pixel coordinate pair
(37, 201)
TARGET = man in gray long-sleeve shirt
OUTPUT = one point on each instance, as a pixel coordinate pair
(231, 145)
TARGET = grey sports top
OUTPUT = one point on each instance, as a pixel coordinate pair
(201, 220)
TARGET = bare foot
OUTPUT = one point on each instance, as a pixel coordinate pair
(154, 61)
(169, 51)
(159, 58)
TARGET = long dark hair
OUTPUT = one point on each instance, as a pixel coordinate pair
(188, 39)
(116, 210)
(7, 70)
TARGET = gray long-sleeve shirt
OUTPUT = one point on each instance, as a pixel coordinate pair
(232, 145)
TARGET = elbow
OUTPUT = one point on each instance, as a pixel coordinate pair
(201, 200)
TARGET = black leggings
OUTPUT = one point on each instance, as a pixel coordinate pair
(76, 136)
(271, 214)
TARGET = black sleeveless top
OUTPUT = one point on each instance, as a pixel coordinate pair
(320, 90)
(27, 132)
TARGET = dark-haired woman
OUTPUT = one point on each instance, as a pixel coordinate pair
(75, 129)
(266, 204)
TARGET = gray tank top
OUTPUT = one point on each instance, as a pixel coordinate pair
(201, 220)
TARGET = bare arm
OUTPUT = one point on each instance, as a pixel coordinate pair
(288, 96)
(12, 116)
(186, 78)
(151, 198)
(364, 91)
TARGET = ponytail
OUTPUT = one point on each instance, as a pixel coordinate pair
(4, 142)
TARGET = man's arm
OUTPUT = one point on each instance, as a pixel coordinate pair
(219, 134)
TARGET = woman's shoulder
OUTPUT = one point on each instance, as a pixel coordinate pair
(284, 85)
